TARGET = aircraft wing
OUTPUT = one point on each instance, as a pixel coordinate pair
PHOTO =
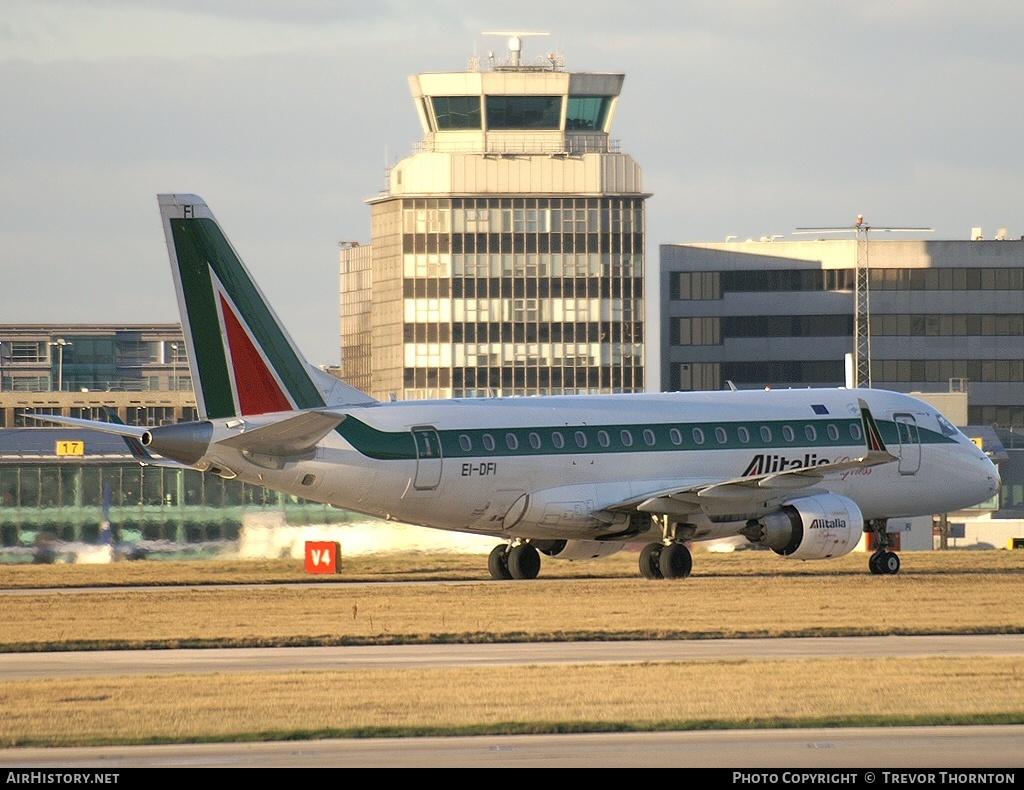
(754, 495)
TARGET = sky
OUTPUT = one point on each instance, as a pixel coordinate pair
(748, 119)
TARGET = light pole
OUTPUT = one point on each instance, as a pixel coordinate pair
(174, 366)
(60, 343)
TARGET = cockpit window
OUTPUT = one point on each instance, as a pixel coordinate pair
(947, 428)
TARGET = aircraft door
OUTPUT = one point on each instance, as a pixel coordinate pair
(910, 443)
(428, 458)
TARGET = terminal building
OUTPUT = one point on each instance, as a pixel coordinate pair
(78, 370)
(58, 485)
(507, 252)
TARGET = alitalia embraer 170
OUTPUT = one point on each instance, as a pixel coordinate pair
(803, 472)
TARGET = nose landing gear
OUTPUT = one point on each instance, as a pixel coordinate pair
(883, 562)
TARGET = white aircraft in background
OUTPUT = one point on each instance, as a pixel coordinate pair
(803, 472)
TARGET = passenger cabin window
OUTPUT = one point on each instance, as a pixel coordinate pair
(465, 443)
(721, 435)
(558, 440)
(649, 437)
(833, 433)
(787, 433)
(488, 441)
(581, 439)
(698, 436)
(535, 441)
(675, 436)
(766, 433)
(512, 441)
(627, 438)
(743, 433)
(603, 439)
(810, 433)
(855, 432)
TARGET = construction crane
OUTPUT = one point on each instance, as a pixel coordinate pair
(862, 292)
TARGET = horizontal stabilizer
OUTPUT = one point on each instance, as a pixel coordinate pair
(118, 429)
(290, 436)
(132, 435)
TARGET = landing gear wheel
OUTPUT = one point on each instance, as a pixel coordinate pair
(884, 563)
(675, 561)
(497, 563)
(523, 561)
(650, 561)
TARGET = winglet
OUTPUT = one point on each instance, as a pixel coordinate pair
(872, 435)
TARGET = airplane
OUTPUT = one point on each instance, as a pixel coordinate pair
(803, 472)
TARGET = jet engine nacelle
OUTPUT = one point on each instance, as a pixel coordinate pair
(816, 527)
(578, 549)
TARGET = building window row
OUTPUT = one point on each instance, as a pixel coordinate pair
(692, 376)
(948, 279)
(522, 287)
(524, 310)
(535, 380)
(464, 113)
(945, 325)
(685, 286)
(483, 355)
(552, 215)
(711, 331)
(944, 370)
(494, 265)
(1010, 416)
(520, 243)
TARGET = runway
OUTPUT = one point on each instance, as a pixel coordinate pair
(32, 666)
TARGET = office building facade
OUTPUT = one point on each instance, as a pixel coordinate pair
(508, 250)
(77, 370)
(944, 316)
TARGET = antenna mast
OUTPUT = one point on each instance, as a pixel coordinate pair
(862, 293)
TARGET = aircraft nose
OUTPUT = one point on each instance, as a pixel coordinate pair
(987, 479)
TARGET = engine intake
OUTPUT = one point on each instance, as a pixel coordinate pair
(810, 528)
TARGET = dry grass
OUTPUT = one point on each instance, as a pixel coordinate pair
(540, 699)
(747, 594)
(455, 567)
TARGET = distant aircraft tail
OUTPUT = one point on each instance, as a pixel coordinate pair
(243, 362)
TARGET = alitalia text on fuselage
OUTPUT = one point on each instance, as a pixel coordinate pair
(766, 463)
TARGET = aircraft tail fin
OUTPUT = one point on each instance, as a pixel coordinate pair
(242, 360)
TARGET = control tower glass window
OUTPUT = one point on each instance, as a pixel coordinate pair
(524, 112)
(587, 112)
(456, 112)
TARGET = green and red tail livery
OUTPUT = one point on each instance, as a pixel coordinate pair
(243, 362)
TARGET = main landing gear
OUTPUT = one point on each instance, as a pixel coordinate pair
(519, 561)
(665, 561)
(669, 559)
(882, 562)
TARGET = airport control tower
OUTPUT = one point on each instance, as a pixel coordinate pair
(508, 249)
